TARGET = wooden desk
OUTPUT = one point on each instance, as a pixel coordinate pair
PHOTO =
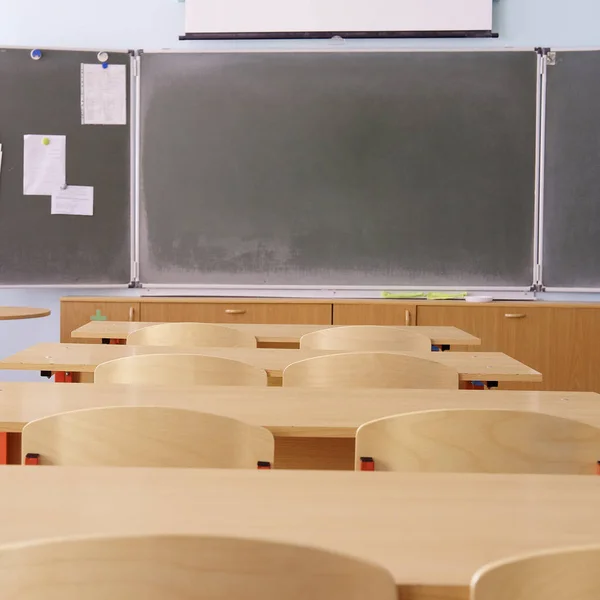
(431, 531)
(84, 358)
(313, 430)
(268, 335)
(13, 313)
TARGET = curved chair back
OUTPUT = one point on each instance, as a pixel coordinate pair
(191, 334)
(370, 369)
(557, 574)
(180, 369)
(185, 567)
(366, 337)
(147, 436)
(479, 441)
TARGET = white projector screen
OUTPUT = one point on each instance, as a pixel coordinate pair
(219, 17)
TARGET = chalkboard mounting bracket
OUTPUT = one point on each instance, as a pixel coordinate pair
(135, 276)
(537, 286)
(551, 59)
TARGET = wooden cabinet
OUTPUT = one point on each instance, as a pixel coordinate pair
(375, 313)
(560, 342)
(75, 312)
(238, 312)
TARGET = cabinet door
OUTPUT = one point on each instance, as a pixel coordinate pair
(571, 357)
(559, 342)
(401, 313)
(74, 314)
(237, 312)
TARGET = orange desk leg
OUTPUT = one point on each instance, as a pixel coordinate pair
(3, 448)
(472, 385)
(63, 377)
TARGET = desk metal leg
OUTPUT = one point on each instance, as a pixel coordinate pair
(440, 348)
(3, 448)
(472, 385)
(63, 377)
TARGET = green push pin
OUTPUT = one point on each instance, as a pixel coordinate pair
(98, 316)
(46, 141)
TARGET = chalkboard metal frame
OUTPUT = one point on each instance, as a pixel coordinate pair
(135, 168)
(366, 290)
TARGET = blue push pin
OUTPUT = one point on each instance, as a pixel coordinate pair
(105, 65)
(36, 54)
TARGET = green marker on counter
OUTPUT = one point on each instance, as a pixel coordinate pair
(424, 295)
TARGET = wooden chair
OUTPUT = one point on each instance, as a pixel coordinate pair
(191, 334)
(370, 369)
(366, 337)
(185, 567)
(181, 369)
(557, 574)
(478, 441)
(146, 436)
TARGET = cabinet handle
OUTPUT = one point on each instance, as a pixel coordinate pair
(407, 317)
(131, 313)
(514, 316)
(235, 311)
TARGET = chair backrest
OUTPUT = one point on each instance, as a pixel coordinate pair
(370, 369)
(146, 436)
(191, 334)
(479, 441)
(366, 337)
(557, 574)
(185, 568)
(181, 369)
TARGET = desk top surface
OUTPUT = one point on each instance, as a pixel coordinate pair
(428, 530)
(84, 358)
(266, 333)
(10, 313)
(287, 412)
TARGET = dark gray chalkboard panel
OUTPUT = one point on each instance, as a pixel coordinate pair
(572, 184)
(43, 97)
(338, 168)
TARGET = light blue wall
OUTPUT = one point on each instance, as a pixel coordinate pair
(154, 24)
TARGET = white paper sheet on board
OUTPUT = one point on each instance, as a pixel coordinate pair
(75, 200)
(103, 95)
(44, 164)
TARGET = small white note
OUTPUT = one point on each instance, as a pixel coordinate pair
(103, 95)
(44, 164)
(75, 200)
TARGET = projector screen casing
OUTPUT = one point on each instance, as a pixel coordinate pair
(210, 19)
